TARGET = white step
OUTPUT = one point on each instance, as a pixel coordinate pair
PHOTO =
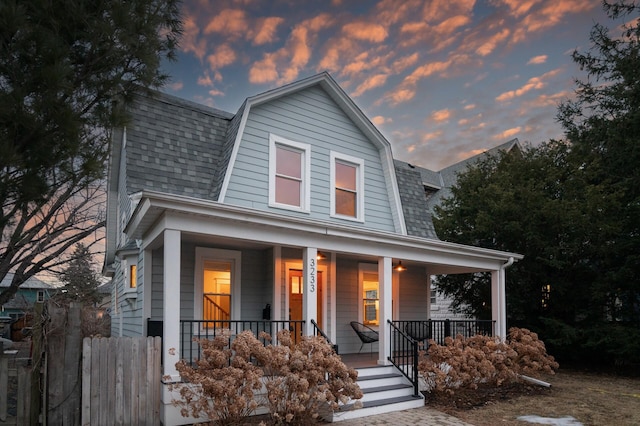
(384, 390)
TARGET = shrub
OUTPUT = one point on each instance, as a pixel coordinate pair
(223, 383)
(465, 363)
(300, 379)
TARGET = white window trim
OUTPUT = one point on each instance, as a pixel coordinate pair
(235, 257)
(362, 268)
(305, 198)
(359, 162)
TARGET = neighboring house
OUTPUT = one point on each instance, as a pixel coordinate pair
(437, 186)
(31, 291)
(292, 209)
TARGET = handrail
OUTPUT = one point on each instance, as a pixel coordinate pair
(402, 349)
(439, 330)
(318, 331)
(216, 306)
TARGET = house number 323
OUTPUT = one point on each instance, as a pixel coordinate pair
(312, 275)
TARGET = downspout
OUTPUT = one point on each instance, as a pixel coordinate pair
(503, 296)
(508, 263)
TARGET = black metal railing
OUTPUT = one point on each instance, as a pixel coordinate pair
(438, 330)
(209, 329)
(404, 354)
(317, 331)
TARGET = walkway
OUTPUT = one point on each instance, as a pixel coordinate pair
(423, 416)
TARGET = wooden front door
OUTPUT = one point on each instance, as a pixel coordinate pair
(296, 291)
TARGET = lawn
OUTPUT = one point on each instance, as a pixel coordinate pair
(592, 399)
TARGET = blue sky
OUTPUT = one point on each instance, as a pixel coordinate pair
(441, 79)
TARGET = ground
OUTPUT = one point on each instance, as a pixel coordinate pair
(592, 399)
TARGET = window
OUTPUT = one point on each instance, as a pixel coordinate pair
(433, 294)
(289, 179)
(370, 288)
(347, 194)
(133, 276)
(40, 296)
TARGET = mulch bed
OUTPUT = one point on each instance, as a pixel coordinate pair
(468, 399)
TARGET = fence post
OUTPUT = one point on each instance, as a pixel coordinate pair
(4, 379)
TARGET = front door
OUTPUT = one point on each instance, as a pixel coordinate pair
(296, 291)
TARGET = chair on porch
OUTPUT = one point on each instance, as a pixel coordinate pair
(365, 333)
(419, 331)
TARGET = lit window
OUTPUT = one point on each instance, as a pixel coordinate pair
(217, 290)
(289, 181)
(133, 276)
(347, 177)
(369, 286)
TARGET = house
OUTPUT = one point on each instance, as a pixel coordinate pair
(31, 291)
(15, 314)
(437, 186)
(289, 213)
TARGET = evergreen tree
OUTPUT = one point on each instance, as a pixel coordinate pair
(80, 280)
(68, 70)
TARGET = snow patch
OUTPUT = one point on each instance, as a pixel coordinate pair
(562, 421)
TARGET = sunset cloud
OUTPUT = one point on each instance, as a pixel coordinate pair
(370, 83)
(534, 83)
(266, 32)
(374, 33)
(379, 120)
(536, 60)
(229, 22)
(507, 133)
(442, 115)
(223, 55)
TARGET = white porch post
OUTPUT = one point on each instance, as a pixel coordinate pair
(499, 302)
(385, 297)
(428, 296)
(277, 306)
(310, 294)
(171, 304)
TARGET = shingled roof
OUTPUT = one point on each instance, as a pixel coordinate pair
(178, 146)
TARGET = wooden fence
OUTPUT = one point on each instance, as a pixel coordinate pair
(121, 380)
(15, 405)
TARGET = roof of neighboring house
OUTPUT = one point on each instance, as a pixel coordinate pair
(30, 283)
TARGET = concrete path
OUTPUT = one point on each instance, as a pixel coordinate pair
(423, 416)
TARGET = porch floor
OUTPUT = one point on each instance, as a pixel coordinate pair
(360, 360)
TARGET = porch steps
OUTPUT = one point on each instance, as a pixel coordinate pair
(384, 390)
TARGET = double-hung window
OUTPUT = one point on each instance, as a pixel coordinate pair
(289, 174)
(347, 182)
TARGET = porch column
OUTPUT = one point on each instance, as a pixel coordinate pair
(499, 303)
(310, 294)
(428, 296)
(171, 304)
(385, 299)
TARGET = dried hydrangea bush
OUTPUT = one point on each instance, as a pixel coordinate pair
(294, 381)
(465, 363)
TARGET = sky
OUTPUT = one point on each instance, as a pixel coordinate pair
(441, 79)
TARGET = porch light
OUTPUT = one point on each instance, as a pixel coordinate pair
(321, 256)
(399, 267)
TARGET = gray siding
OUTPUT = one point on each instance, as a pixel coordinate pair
(347, 301)
(413, 294)
(310, 117)
(257, 290)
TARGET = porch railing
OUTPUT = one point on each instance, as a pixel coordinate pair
(209, 329)
(438, 330)
(317, 331)
(404, 354)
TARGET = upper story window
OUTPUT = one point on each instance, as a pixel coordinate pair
(40, 296)
(289, 174)
(347, 182)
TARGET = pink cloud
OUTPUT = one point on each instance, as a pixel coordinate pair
(507, 133)
(401, 95)
(549, 14)
(534, 83)
(176, 86)
(370, 83)
(433, 135)
(266, 30)
(230, 22)
(374, 33)
(540, 59)
(190, 41)
(490, 44)
(440, 10)
(405, 62)
(440, 116)
(379, 120)
(264, 71)
(224, 55)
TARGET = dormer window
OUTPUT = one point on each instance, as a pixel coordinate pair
(289, 174)
(347, 182)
